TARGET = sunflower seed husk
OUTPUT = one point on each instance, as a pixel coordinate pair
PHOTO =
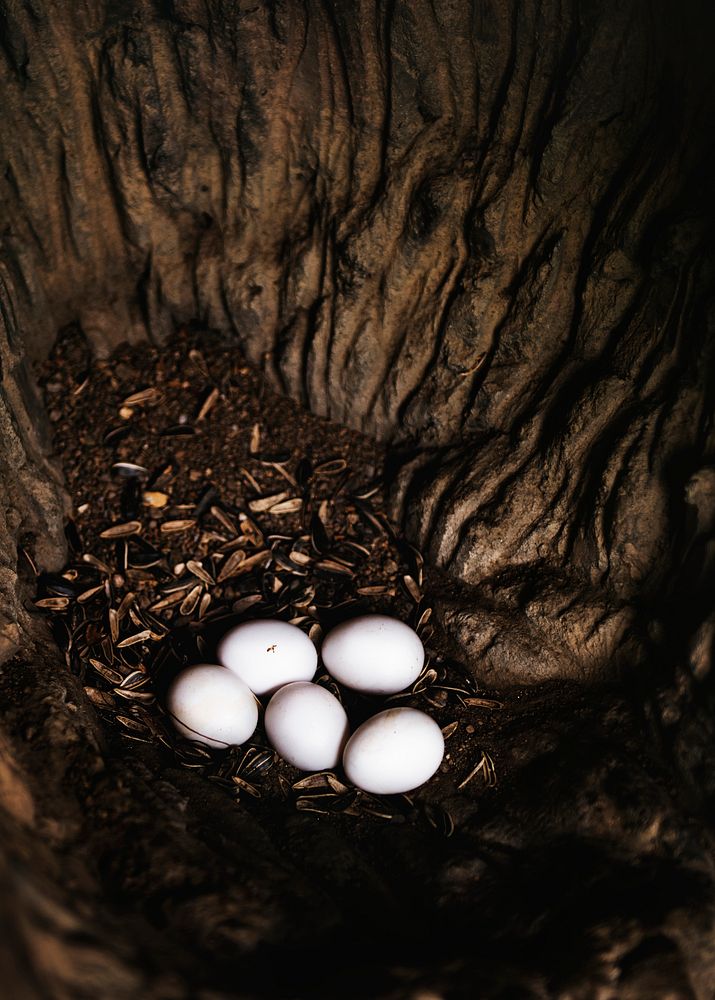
(259, 762)
(122, 530)
(286, 475)
(373, 807)
(142, 396)
(143, 697)
(53, 603)
(424, 618)
(483, 702)
(331, 467)
(183, 524)
(132, 640)
(125, 604)
(129, 470)
(332, 566)
(198, 571)
(107, 673)
(132, 724)
(246, 786)
(113, 624)
(291, 506)
(244, 603)
(266, 503)
(224, 519)
(101, 699)
(251, 530)
(231, 566)
(115, 435)
(249, 563)
(168, 602)
(136, 618)
(307, 804)
(208, 404)
(88, 594)
(367, 513)
(92, 560)
(336, 785)
(450, 729)
(486, 765)
(59, 586)
(426, 678)
(137, 678)
(411, 587)
(318, 780)
(251, 480)
(191, 600)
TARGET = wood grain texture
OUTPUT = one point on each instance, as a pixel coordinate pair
(477, 231)
(481, 232)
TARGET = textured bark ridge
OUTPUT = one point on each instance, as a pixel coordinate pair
(31, 497)
(474, 230)
(482, 232)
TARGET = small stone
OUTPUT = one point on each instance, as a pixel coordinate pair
(469, 729)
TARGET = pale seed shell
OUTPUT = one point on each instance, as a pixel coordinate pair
(179, 525)
(122, 530)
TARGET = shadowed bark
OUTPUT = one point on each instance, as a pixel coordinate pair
(481, 232)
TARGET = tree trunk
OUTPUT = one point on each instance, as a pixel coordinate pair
(482, 233)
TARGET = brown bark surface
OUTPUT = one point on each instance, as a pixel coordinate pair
(481, 232)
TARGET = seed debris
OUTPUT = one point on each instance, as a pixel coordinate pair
(485, 764)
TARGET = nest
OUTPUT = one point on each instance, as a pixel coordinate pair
(201, 499)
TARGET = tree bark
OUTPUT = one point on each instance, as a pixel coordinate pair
(481, 232)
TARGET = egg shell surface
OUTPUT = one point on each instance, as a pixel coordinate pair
(307, 725)
(374, 653)
(395, 751)
(267, 654)
(210, 704)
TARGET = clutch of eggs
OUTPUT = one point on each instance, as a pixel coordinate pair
(394, 751)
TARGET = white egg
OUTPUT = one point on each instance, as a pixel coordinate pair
(374, 653)
(394, 751)
(307, 725)
(210, 704)
(267, 653)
